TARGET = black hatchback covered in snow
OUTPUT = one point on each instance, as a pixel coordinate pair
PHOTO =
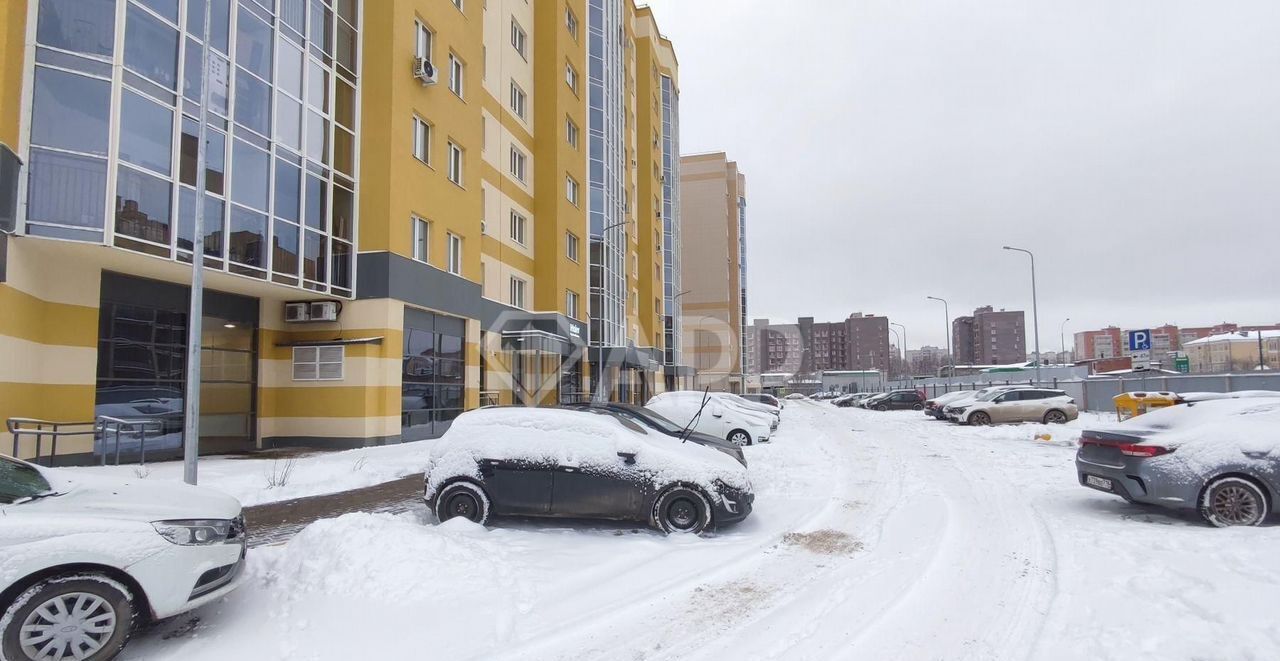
(581, 464)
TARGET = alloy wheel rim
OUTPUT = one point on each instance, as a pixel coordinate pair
(75, 625)
(682, 514)
(980, 419)
(463, 505)
(739, 438)
(1235, 504)
(1055, 416)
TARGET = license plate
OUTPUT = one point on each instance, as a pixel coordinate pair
(1098, 482)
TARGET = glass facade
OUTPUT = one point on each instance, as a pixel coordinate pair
(114, 132)
(434, 367)
(607, 161)
(673, 327)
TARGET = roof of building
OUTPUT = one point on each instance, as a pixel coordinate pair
(1242, 336)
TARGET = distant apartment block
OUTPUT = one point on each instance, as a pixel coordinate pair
(859, 342)
(989, 337)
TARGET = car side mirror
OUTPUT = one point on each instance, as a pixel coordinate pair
(628, 458)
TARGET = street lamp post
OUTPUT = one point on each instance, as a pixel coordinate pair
(904, 347)
(946, 324)
(1035, 313)
(195, 312)
(898, 339)
(1062, 337)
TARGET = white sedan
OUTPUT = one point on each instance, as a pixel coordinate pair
(83, 558)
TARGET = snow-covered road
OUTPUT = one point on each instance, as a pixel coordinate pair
(875, 536)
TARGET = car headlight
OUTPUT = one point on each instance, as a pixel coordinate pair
(195, 532)
(957, 409)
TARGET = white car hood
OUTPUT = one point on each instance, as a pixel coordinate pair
(132, 499)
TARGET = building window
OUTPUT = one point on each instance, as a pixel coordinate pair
(571, 245)
(519, 163)
(455, 254)
(519, 101)
(571, 304)
(318, 363)
(571, 22)
(421, 140)
(421, 239)
(517, 292)
(455, 163)
(519, 40)
(571, 190)
(518, 228)
(424, 40)
(571, 77)
(571, 132)
(455, 75)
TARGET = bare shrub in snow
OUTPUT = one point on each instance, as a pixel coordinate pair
(280, 473)
(360, 464)
(141, 472)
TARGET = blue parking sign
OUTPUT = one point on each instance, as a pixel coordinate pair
(1140, 340)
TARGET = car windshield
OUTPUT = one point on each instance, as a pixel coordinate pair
(20, 481)
(658, 420)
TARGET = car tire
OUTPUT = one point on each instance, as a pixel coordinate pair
(465, 499)
(917, 407)
(1055, 417)
(111, 610)
(739, 438)
(882, 407)
(1234, 501)
(979, 418)
(682, 509)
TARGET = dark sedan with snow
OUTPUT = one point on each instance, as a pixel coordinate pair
(581, 464)
(1220, 458)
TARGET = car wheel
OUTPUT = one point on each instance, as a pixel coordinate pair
(917, 407)
(882, 407)
(979, 418)
(739, 437)
(1055, 417)
(682, 510)
(82, 616)
(1233, 501)
(464, 499)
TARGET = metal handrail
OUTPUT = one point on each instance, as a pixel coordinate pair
(100, 427)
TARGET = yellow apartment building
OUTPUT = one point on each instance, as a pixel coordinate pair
(397, 207)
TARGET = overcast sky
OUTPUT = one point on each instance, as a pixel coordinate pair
(892, 147)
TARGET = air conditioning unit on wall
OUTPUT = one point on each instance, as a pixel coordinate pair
(425, 71)
(311, 311)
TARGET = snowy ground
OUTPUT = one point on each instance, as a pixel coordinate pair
(875, 536)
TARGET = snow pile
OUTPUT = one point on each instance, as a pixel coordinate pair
(249, 479)
(586, 439)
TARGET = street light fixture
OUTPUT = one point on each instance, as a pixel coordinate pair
(946, 324)
(1035, 314)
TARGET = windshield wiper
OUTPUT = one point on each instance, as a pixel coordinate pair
(688, 429)
(36, 497)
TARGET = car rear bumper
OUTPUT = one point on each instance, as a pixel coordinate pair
(1139, 480)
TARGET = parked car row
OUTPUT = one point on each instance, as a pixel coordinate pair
(1006, 404)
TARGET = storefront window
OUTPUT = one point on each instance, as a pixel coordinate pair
(433, 375)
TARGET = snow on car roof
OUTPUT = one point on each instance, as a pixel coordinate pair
(582, 438)
(1210, 433)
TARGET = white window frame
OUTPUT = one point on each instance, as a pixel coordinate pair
(519, 39)
(456, 163)
(421, 239)
(422, 139)
(517, 288)
(572, 189)
(455, 254)
(519, 164)
(310, 360)
(572, 246)
(571, 132)
(519, 102)
(571, 304)
(571, 21)
(424, 41)
(571, 76)
(519, 228)
(457, 76)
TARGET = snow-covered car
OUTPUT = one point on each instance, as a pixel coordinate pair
(743, 402)
(581, 464)
(84, 558)
(1219, 457)
(857, 399)
(661, 423)
(765, 398)
(952, 410)
(1018, 405)
(796, 395)
(711, 414)
(933, 407)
